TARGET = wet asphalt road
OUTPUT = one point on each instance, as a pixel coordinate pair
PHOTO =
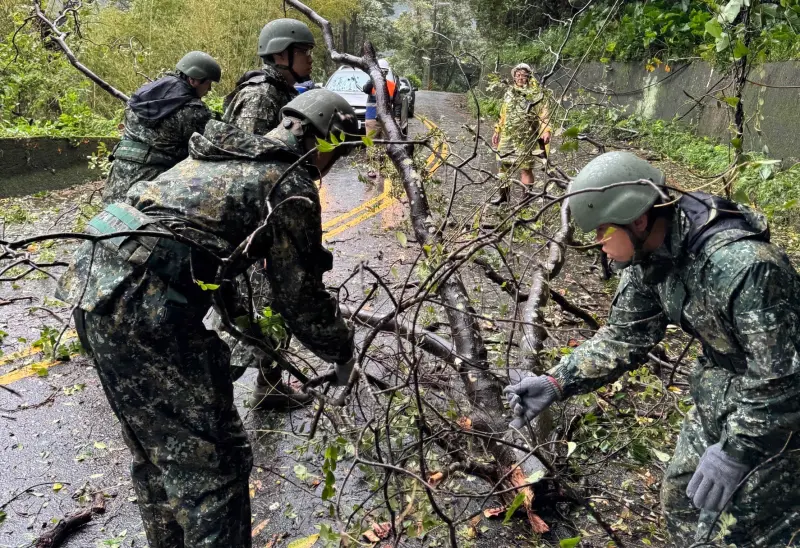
(60, 441)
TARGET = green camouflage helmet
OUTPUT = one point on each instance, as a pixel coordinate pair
(279, 34)
(620, 205)
(324, 111)
(200, 66)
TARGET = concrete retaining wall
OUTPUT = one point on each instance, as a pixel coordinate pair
(45, 163)
(773, 114)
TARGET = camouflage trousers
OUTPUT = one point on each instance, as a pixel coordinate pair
(168, 381)
(766, 507)
(124, 174)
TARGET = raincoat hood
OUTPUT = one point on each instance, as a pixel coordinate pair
(221, 142)
(157, 100)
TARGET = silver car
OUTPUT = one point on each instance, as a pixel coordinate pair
(348, 82)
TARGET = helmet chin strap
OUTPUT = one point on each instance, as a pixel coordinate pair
(290, 67)
(639, 253)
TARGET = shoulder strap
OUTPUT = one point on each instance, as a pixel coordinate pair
(709, 215)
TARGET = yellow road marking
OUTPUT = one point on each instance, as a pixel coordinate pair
(435, 161)
(27, 371)
(382, 201)
(30, 351)
(387, 184)
(30, 370)
(360, 219)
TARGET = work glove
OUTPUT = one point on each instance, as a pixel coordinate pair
(530, 397)
(715, 479)
(343, 371)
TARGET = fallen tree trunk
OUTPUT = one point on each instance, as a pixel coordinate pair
(483, 389)
(533, 334)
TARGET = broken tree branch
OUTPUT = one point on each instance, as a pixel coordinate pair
(59, 38)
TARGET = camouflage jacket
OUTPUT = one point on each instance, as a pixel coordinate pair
(255, 105)
(217, 198)
(169, 135)
(524, 118)
(740, 297)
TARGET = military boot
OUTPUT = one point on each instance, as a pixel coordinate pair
(502, 197)
(270, 392)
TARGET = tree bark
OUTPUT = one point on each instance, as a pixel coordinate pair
(59, 38)
(533, 334)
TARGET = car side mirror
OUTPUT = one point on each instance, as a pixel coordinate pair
(414, 88)
(404, 89)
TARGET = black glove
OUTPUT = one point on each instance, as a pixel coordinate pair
(715, 479)
(530, 397)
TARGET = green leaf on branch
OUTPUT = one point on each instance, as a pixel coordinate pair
(569, 146)
(723, 42)
(571, 446)
(572, 133)
(402, 238)
(207, 287)
(660, 455)
(731, 11)
(740, 50)
(367, 140)
(714, 28)
(732, 101)
(793, 19)
(328, 466)
(518, 500)
(736, 143)
(324, 146)
(535, 477)
(741, 196)
(769, 10)
(569, 542)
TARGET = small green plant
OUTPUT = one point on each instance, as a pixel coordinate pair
(272, 325)
(99, 160)
(15, 214)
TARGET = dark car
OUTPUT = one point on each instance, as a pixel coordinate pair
(408, 89)
(348, 81)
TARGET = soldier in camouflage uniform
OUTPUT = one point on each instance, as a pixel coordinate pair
(285, 46)
(141, 304)
(523, 130)
(159, 119)
(705, 264)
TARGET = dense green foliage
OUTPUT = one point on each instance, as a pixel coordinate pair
(430, 38)
(42, 94)
(757, 179)
(666, 30)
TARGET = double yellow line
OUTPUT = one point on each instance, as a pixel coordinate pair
(375, 205)
(358, 215)
(440, 151)
(33, 368)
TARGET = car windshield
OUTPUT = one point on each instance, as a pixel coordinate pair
(347, 81)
